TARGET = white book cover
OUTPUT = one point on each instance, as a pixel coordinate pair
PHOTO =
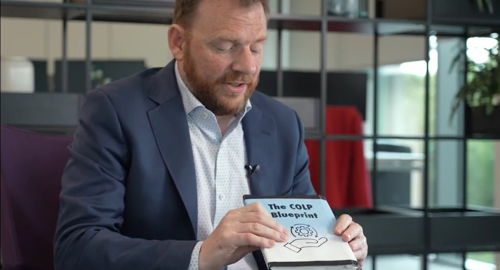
(311, 242)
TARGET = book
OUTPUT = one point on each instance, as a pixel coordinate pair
(311, 242)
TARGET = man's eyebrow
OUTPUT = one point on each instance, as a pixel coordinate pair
(226, 39)
(235, 40)
(262, 39)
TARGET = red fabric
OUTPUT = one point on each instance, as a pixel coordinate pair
(347, 182)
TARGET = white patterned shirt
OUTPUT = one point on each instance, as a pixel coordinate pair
(219, 161)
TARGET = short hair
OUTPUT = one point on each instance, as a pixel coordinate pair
(184, 9)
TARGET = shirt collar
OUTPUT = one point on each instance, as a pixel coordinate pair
(190, 102)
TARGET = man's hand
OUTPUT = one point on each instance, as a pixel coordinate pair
(352, 233)
(240, 232)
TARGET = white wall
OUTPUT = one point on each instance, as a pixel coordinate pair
(42, 39)
(347, 51)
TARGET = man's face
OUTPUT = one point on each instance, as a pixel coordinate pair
(223, 54)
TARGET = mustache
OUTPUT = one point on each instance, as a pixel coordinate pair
(237, 77)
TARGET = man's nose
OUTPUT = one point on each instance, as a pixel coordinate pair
(246, 62)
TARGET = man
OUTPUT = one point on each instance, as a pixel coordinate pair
(162, 159)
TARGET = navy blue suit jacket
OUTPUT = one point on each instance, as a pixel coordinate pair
(129, 198)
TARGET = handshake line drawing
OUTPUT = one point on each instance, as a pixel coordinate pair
(298, 244)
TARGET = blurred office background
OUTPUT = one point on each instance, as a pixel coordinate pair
(388, 126)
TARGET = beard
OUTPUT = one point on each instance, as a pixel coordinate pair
(212, 93)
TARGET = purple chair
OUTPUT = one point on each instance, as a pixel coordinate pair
(31, 170)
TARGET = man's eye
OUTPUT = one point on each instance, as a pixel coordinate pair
(224, 47)
(256, 49)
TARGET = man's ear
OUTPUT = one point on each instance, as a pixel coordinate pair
(176, 41)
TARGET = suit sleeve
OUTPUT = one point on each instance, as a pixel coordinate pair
(92, 201)
(302, 180)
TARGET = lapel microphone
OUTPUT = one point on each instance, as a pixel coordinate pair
(251, 170)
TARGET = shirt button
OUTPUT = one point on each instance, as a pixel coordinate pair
(222, 197)
(204, 115)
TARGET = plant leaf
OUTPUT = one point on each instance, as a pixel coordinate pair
(482, 81)
(456, 60)
(490, 6)
(480, 5)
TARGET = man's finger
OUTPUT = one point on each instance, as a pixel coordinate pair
(358, 243)
(250, 239)
(360, 255)
(353, 231)
(254, 207)
(360, 263)
(261, 230)
(261, 218)
(342, 223)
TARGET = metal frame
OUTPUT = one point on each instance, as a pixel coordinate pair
(88, 45)
(65, 55)
(375, 112)
(279, 63)
(375, 122)
(322, 106)
(427, 230)
(464, 151)
(314, 23)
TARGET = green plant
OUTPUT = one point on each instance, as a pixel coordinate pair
(482, 88)
(488, 3)
(98, 79)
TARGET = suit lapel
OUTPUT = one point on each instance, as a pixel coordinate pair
(259, 140)
(171, 131)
